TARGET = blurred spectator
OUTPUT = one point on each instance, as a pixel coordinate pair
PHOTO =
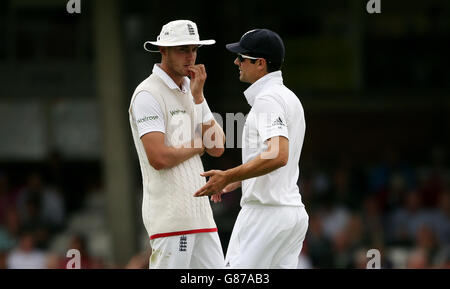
(348, 184)
(4, 196)
(140, 260)
(41, 206)
(431, 184)
(432, 178)
(405, 221)
(54, 169)
(441, 218)
(418, 259)
(390, 178)
(26, 255)
(54, 261)
(372, 219)
(318, 246)
(360, 259)
(335, 219)
(342, 250)
(436, 254)
(355, 232)
(7, 196)
(9, 230)
(3, 260)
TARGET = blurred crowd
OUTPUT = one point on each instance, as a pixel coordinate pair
(399, 208)
(31, 217)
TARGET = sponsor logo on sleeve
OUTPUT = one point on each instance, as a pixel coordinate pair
(147, 118)
(278, 122)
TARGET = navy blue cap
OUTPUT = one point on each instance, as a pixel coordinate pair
(262, 43)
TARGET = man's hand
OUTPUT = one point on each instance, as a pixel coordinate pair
(217, 181)
(197, 74)
(229, 188)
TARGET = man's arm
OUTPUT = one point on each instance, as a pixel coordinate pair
(161, 156)
(213, 138)
(210, 129)
(275, 157)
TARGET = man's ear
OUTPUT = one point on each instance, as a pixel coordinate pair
(262, 64)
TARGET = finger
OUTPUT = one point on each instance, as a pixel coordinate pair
(191, 73)
(199, 191)
(207, 193)
(199, 70)
(216, 198)
(194, 68)
(203, 69)
(208, 173)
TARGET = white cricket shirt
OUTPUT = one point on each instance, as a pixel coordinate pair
(276, 111)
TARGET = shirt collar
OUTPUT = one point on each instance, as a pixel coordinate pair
(169, 81)
(253, 90)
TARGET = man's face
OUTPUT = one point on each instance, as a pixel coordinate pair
(179, 58)
(248, 71)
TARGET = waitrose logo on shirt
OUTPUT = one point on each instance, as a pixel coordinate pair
(177, 111)
(147, 118)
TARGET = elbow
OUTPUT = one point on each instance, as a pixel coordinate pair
(216, 152)
(158, 164)
(283, 160)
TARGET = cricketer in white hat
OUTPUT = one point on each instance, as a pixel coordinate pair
(168, 117)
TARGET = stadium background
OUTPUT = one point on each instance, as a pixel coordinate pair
(374, 170)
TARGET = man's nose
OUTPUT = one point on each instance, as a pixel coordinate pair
(236, 61)
(190, 55)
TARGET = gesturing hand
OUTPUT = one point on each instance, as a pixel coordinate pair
(217, 181)
(229, 188)
(197, 74)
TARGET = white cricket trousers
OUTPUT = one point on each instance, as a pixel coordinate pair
(267, 237)
(191, 251)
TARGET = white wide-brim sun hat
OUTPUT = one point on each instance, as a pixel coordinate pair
(177, 33)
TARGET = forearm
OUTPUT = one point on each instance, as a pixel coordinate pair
(173, 156)
(212, 133)
(276, 156)
(213, 138)
(257, 167)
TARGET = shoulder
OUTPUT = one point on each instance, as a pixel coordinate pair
(145, 102)
(269, 100)
(144, 97)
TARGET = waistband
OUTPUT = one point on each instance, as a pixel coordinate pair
(259, 205)
(169, 234)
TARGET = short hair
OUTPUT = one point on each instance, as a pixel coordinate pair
(271, 66)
